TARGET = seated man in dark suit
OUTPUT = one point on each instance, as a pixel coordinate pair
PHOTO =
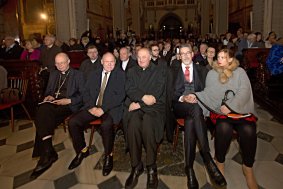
(103, 98)
(11, 49)
(91, 63)
(125, 62)
(201, 57)
(144, 117)
(191, 78)
(63, 96)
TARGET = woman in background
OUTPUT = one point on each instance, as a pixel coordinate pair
(30, 53)
(210, 57)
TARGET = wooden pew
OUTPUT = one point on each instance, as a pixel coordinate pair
(76, 58)
(267, 89)
(251, 56)
(29, 70)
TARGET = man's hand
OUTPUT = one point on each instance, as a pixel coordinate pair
(63, 101)
(48, 98)
(134, 106)
(191, 98)
(225, 110)
(97, 112)
(149, 100)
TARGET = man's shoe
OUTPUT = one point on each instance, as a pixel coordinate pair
(215, 174)
(192, 180)
(132, 180)
(108, 165)
(45, 161)
(152, 179)
(78, 159)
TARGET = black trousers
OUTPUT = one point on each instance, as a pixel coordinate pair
(141, 132)
(79, 122)
(195, 129)
(247, 139)
(48, 117)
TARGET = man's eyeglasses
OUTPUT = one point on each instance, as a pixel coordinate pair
(185, 53)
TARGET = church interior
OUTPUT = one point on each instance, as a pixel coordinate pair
(111, 25)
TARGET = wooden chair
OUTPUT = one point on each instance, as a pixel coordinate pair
(21, 85)
(93, 126)
(180, 123)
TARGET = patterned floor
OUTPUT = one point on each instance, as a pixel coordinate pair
(16, 163)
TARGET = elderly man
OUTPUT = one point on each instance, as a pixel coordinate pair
(167, 52)
(103, 98)
(11, 49)
(200, 58)
(92, 62)
(47, 58)
(126, 62)
(144, 117)
(63, 96)
(191, 78)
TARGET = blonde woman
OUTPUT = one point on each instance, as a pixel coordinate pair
(226, 77)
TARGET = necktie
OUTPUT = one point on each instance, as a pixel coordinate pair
(102, 89)
(187, 73)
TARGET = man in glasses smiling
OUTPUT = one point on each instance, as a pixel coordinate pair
(191, 79)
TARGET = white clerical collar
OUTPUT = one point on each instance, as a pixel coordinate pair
(93, 61)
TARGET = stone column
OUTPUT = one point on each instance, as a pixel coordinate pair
(221, 16)
(2, 34)
(70, 18)
(118, 15)
(135, 8)
(267, 19)
(204, 17)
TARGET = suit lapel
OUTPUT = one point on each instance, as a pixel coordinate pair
(196, 78)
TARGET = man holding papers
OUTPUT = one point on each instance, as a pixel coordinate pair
(63, 96)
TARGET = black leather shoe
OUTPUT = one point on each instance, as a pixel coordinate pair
(192, 180)
(132, 180)
(108, 165)
(78, 159)
(214, 173)
(45, 161)
(152, 179)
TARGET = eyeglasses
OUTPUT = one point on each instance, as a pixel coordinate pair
(185, 53)
(211, 52)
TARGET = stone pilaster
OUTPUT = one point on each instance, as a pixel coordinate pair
(221, 16)
(70, 18)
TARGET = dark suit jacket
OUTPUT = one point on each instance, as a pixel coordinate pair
(130, 64)
(75, 87)
(198, 59)
(87, 66)
(199, 77)
(13, 53)
(167, 57)
(47, 56)
(114, 93)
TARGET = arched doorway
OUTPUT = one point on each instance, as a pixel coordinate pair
(170, 26)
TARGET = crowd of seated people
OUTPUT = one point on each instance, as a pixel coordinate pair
(144, 84)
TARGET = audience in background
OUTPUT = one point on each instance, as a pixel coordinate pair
(30, 53)
(11, 49)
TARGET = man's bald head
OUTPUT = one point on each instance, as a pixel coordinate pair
(144, 57)
(108, 62)
(62, 62)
